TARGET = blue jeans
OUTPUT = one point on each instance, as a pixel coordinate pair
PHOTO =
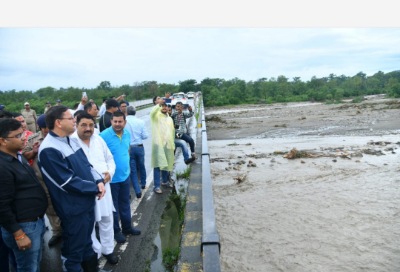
(183, 145)
(7, 258)
(156, 177)
(120, 194)
(27, 260)
(137, 163)
(189, 140)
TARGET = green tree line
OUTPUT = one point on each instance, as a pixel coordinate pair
(218, 92)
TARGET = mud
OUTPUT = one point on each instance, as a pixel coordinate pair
(307, 186)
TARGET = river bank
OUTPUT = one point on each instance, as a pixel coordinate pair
(307, 186)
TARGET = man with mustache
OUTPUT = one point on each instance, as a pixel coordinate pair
(100, 157)
(118, 140)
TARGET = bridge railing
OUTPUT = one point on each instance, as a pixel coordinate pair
(210, 245)
(142, 103)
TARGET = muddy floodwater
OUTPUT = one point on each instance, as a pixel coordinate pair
(312, 187)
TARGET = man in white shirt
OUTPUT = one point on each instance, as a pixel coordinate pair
(138, 131)
(103, 107)
(100, 157)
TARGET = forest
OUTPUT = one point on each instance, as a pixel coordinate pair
(219, 92)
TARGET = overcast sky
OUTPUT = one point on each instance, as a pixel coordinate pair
(32, 58)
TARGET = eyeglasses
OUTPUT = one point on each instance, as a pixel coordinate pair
(18, 136)
(69, 118)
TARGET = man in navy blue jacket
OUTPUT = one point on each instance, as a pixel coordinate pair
(73, 185)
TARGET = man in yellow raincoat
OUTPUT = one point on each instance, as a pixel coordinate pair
(163, 135)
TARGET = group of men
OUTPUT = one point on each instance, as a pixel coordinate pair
(77, 176)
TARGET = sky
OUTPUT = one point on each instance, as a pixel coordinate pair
(33, 58)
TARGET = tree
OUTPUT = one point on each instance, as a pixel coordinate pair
(47, 92)
(187, 85)
(104, 85)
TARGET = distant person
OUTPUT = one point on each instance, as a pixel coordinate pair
(118, 139)
(23, 201)
(92, 109)
(47, 107)
(138, 131)
(27, 133)
(167, 98)
(58, 102)
(123, 105)
(103, 107)
(30, 152)
(73, 185)
(181, 131)
(179, 143)
(30, 117)
(99, 155)
(112, 106)
(163, 146)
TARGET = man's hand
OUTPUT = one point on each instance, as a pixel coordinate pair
(190, 108)
(23, 243)
(35, 147)
(107, 177)
(102, 190)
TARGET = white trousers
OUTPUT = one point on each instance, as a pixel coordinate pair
(106, 231)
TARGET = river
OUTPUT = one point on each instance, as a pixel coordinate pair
(336, 211)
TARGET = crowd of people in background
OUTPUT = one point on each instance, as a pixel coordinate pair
(75, 166)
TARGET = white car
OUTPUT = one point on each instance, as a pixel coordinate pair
(190, 95)
(179, 97)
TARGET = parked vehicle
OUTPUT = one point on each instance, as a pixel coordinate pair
(179, 97)
(190, 95)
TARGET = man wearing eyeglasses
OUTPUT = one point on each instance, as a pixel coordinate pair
(73, 185)
(99, 155)
(30, 152)
(23, 201)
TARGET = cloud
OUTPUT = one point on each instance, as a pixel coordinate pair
(83, 57)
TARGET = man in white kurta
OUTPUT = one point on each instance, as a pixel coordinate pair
(100, 157)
